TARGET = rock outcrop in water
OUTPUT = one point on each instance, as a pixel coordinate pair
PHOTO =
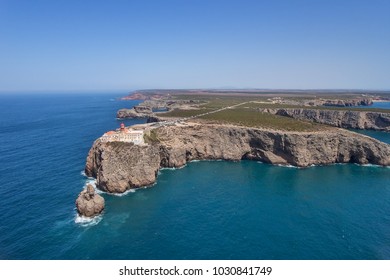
(338, 118)
(89, 203)
(120, 166)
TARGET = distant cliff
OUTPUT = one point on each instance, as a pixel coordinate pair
(338, 118)
(348, 102)
(120, 166)
(135, 112)
(145, 109)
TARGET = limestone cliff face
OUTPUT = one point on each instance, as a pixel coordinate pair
(349, 102)
(136, 112)
(121, 166)
(338, 118)
(145, 109)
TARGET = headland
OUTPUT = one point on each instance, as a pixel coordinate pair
(289, 129)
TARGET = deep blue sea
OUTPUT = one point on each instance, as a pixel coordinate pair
(383, 105)
(206, 210)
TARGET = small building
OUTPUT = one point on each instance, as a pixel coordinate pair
(124, 134)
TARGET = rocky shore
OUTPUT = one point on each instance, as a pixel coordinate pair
(119, 166)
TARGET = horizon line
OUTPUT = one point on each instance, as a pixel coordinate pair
(230, 89)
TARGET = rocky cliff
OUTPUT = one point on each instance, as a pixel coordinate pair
(145, 109)
(89, 203)
(135, 112)
(338, 118)
(121, 166)
(348, 102)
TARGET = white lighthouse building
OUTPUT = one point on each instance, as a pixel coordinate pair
(124, 135)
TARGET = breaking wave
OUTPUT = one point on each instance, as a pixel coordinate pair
(289, 166)
(92, 181)
(121, 194)
(173, 168)
(369, 165)
(82, 173)
(87, 222)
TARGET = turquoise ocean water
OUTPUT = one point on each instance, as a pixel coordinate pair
(206, 210)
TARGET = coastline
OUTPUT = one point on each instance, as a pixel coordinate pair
(380, 101)
(125, 165)
(167, 144)
(191, 193)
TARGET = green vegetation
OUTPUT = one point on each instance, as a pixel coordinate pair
(252, 118)
(215, 102)
(248, 114)
(255, 105)
(184, 113)
(151, 137)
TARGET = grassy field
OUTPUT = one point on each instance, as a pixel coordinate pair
(177, 113)
(252, 118)
(247, 115)
(216, 102)
(286, 106)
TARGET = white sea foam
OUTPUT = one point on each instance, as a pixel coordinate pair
(82, 173)
(173, 168)
(167, 168)
(315, 165)
(122, 194)
(86, 222)
(132, 190)
(92, 182)
(287, 165)
(369, 165)
(205, 160)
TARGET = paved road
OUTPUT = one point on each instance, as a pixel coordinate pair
(163, 123)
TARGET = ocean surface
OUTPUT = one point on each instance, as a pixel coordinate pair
(383, 105)
(206, 210)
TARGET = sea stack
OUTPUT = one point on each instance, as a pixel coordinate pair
(89, 203)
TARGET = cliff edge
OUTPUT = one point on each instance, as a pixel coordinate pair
(119, 166)
(339, 118)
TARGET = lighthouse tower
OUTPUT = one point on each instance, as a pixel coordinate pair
(122, 127)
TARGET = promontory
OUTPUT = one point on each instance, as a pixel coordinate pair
(214, 129)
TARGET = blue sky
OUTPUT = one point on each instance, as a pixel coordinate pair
(124, 45)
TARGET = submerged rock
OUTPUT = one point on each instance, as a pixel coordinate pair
(89, 203)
